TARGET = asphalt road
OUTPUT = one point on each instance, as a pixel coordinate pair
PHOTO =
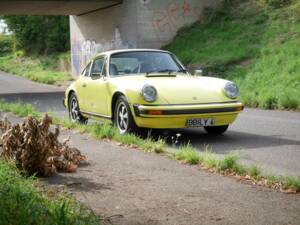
(270, 139)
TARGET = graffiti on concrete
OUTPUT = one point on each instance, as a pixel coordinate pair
(145, 2)
(175, 15)
(83, 51)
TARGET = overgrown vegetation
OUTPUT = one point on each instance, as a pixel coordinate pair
(227, 165)
(42, 69)
(37, 49)
(253, 42)
(24, 202)
(6, 45)
(40, 34)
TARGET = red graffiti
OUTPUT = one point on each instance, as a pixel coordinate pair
(186, 8)
(175, 16)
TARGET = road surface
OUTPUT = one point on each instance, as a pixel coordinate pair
(270, 139)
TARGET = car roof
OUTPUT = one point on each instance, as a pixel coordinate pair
(128, 50)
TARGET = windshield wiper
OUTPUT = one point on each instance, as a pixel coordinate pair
(182, 71)
(167, 71)
(162, 71)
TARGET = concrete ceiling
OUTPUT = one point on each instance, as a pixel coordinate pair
(49, 7)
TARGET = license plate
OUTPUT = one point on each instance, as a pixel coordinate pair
(203, 122)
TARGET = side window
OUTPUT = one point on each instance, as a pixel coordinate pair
(86, 71)
(98, 66)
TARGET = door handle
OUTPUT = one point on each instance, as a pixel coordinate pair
(83, 85)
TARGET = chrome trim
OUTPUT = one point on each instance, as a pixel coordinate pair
(95, 114)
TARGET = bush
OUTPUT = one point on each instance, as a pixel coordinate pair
(6, 45)
(278, 3)
(40, 34)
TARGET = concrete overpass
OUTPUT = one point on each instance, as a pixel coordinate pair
(50, 7)
(99, 25)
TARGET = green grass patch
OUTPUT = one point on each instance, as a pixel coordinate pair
(42, 69)
(23, 202)
(187, 154)
(252, 43)
(19, 109)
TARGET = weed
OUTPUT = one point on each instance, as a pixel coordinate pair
(153, 146)
(18, 108)
(291, 182)
(254, 171)
(208, 159)
(188, 154)
(229, 163)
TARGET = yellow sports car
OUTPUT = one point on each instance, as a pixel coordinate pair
(142, 88)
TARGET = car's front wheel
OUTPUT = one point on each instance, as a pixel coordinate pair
(123, 118)
(216, 130)
(74, 112)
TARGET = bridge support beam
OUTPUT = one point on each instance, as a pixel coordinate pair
(132, 24)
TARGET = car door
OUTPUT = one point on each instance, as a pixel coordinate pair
(81, 85)
(97, 88)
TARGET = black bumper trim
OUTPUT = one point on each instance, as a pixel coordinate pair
(189, 111)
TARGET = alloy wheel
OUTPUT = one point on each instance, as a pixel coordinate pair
(122, 118)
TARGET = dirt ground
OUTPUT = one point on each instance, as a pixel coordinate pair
(133, 188)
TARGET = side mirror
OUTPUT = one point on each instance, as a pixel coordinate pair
(198, 72)
(95, 76)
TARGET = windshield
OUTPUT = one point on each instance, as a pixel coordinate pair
(127, 63)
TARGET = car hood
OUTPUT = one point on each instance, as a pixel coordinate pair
(180, 89)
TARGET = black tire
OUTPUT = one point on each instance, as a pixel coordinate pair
(216, 130)
(74, 111)
(123, 119)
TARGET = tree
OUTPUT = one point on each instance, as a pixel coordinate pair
(40, 34)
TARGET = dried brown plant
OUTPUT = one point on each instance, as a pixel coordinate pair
(36, 149)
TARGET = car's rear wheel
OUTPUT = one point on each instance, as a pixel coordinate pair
(123, 118)
(74, 112)
(216, 130)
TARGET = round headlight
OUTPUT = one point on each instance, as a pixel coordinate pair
(231, 90)
(149, 93)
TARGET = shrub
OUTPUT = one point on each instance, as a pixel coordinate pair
(6, 45)
(278, 3)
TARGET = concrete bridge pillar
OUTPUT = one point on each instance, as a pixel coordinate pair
(131, 24)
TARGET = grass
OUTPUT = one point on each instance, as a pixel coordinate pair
(24, 202)
(186, 153)
(252, 44)
(19, 109)
(42, 69)
(229, 165)
(107, 131)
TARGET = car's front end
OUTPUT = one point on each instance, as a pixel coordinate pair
(189, 102)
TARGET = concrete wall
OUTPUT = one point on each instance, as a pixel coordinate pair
(133, 24)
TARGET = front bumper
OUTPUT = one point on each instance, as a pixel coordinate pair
(176, 116)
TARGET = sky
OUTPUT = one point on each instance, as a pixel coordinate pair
(3, 27)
